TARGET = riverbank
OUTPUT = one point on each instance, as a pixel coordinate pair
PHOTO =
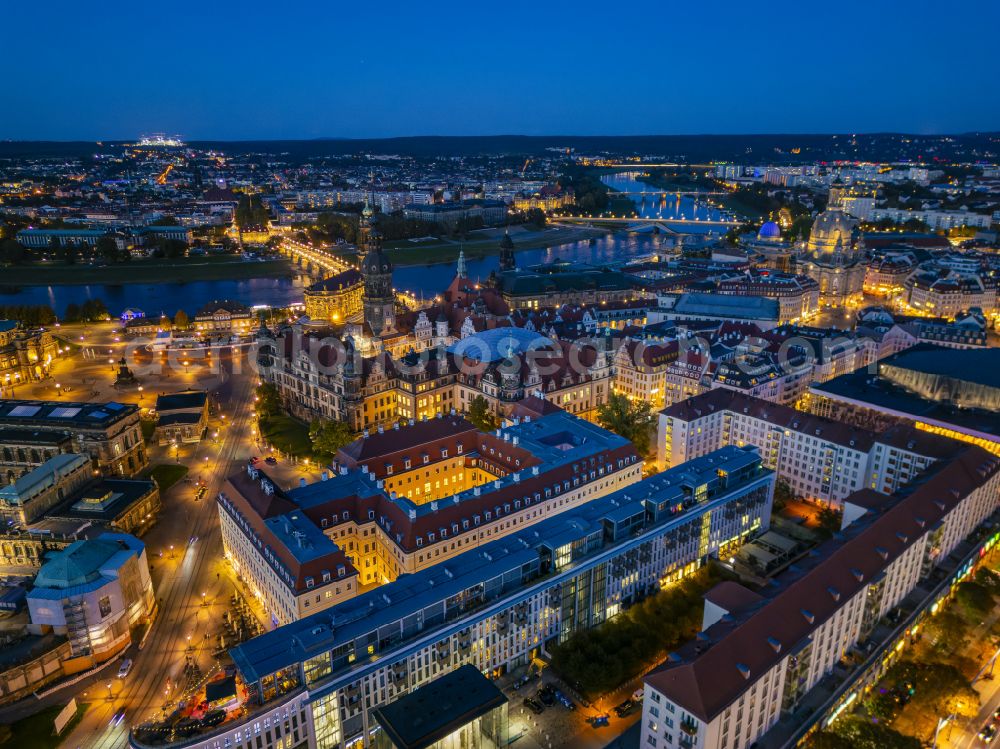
(181, 270)
(484, 243)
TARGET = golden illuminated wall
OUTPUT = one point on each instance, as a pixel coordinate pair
(334, 306)
(438, 480)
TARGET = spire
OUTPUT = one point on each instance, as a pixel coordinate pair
(461, 265)
(507, 261)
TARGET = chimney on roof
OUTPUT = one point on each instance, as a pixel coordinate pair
(434, 506)
(413, 514)
(343, 470)
(324, 476)
(476, 491)
(364, 469)
(302, 481)
(534, 470)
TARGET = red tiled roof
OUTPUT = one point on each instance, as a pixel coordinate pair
(709, 681)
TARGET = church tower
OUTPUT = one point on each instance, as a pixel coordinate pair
(507, 261)
(378, 298)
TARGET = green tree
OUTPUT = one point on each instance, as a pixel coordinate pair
(72, 313)
(11, 252)
(70, 253)
(268, 400)
(107, 248)
(481, 415)
(864, 734)
(829, 520)
(632, 420)
(974, 599)
(828, 740)
(329, 436)
(94, 310)
(181, 321)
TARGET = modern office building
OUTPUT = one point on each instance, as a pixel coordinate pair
(492, 606)
(761, 654)
(407, 498)
(954, 392)
(461, 710)
(108, 432)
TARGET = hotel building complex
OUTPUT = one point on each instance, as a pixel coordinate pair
(407, 498)
(494, 605)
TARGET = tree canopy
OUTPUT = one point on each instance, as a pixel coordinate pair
(268, 401)
(329, 436)
(481, 415)
(632, 420)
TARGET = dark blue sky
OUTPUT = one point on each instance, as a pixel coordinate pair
(220, 69)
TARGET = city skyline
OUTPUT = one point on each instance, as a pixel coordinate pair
(229, 72)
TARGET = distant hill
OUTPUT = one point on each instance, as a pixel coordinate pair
(747, 149)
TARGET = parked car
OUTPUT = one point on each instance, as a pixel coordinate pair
(534, 705)
(625, 708)
(599, 721)
(566, 701)
(271, 460)
(521, 681)
(988, 733)
(124, 668)
(547, 695)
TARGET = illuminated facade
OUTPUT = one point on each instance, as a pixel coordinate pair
(835, 258)
(95, 592)
(407, 498)
(335, 299)
(758, 657)
(495, 605)
(25, 355)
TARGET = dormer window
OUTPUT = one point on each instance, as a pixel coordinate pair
(310, 582)
(406, 463)
(458, 448)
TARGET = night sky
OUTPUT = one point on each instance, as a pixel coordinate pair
(226, 70)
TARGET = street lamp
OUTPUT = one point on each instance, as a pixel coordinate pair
(140, 397)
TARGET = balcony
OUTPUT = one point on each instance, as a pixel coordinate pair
(690, 727)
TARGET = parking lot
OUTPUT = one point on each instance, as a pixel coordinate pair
(560, 726)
